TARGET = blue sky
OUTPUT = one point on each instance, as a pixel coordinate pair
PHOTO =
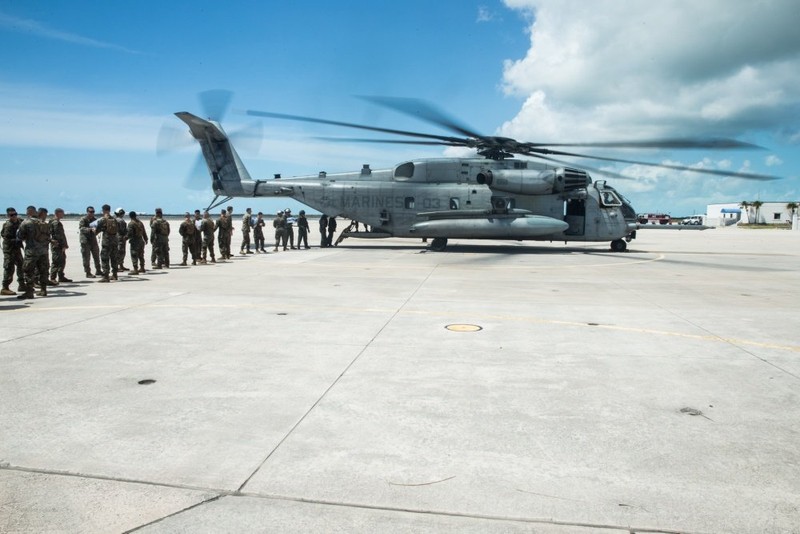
(85, 88)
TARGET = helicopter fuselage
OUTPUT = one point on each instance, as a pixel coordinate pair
(464, 198)
(441, 198)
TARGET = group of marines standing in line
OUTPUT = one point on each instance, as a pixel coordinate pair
(38, 267)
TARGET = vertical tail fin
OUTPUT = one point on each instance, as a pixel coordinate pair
(224, 165)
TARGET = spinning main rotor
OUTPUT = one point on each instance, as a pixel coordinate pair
(497, 148)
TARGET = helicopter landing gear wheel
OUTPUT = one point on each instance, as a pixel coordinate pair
(619, 245)
(438, 244)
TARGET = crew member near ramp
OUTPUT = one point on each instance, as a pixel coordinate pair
(12, 253)
(302, 230)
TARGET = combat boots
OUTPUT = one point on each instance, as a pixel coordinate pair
(183, 263)
(114, 276)
(42, 292)
(90, 275)
(52, 281)
(62, 278)
(28, 294)
(7, 292)
(103, 280)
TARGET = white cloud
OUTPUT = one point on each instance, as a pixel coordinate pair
(772, 160)
(39, 29)
(484, 15)
(625, 69)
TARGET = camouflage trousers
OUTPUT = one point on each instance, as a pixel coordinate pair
(35, 268)
(121, 252)
(12, 259)
(224, 240)
(137, 253)
(58, 260)
(188, 247)
(246, 240)
(161, 250)
(108, 255)
(208, 247)
(89, 247)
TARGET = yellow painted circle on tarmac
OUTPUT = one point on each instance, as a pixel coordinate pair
(463, 327)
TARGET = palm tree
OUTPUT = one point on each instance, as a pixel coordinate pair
(792, 206)
(745, 205)
(757, 205)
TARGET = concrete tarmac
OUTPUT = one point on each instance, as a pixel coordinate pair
(576, 390)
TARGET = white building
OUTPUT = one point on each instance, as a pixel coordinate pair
(733, 213)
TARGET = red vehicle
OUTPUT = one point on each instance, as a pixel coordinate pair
(654, 218)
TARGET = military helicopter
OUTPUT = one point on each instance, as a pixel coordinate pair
(490, 196)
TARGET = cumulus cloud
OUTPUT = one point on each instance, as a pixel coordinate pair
(624, 69)
(613, 68)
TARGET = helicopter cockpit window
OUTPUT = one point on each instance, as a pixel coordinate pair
(409, 203)
(404, 172)
(609, 198)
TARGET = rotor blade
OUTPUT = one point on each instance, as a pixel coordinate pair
(720, 143)
(585, 167)
(422, 110)
(284, 116)
(249, 138)
(198, 178)
(215, 103)
(172, 138)
(391, 141)
(745, 175)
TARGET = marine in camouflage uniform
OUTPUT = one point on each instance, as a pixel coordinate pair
(88, 239)
(107, 225)
(159, 238)
(35, 232)
(187, 230)
(12, 253)
(58, 248)
(246, 220)
(137, 239)
(208, 227)
(258, 232)
(279, 223)
(224, 228)
(288, 234)
(198, 236)
(302, 229)
(123, 238)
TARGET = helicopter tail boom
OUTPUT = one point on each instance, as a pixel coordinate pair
(224, 165)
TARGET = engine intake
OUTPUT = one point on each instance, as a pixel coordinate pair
(532, 182)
